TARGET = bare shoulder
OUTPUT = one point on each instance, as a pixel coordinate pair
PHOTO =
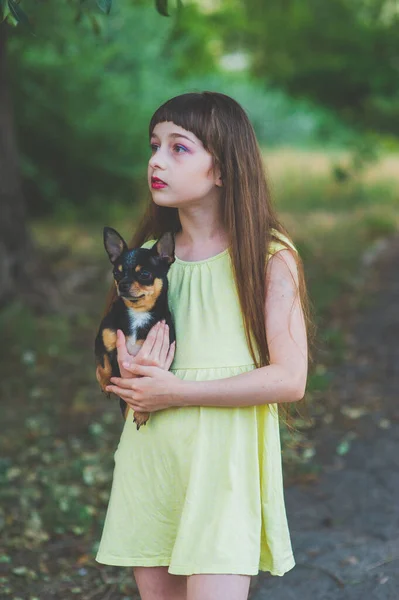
(282, 268)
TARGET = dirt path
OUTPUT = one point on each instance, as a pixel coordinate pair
(345, 527)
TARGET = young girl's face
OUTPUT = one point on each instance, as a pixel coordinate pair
(181, 161)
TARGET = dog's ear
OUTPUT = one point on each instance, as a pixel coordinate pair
(165, 247)
(113, 243)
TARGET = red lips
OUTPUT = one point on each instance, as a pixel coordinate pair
(157, 180)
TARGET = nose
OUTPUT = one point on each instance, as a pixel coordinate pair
(157, 161)
(124, 286)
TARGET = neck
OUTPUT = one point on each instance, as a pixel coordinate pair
(201, 225)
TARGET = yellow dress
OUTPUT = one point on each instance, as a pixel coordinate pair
(200, 489)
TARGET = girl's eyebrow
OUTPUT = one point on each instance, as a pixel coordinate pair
(176, 135)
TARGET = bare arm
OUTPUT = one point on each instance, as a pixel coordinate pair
(284, 380)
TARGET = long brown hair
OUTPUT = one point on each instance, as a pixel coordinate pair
(247, 211)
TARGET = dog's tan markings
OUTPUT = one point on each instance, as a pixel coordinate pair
(103, 374)
(158, 285)
(140, 418)
(129, 303)
(151, 295)
(120, 268)
(136, 289)
(109, 339)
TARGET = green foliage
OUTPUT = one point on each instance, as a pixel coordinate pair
(28, 339)
(82, 102)
(12, 12)
(105, 6)
(277, 118)
(339, 54)
(378, 224)
(328, 194)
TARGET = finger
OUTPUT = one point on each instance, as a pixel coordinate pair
(163, 352)
(121, 392)
(170, 356)
(149, 362)
(122, 352)
(127, 397)
(152, 346)
(133, 404)
(128, 384)
(157, 348)
(146, 348)
(120, 339)
(138, 369)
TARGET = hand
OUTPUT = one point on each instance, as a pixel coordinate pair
(150, 389)
(155, 351)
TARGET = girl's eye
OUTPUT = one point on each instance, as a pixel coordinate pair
(179, 146)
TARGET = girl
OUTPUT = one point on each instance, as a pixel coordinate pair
(197, 504)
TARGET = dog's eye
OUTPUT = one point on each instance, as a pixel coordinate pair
(145, 275)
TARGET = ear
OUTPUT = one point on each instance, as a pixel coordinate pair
(165, 247)
(218, 176)
(113, 243)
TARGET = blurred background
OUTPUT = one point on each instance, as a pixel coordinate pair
(79, 81)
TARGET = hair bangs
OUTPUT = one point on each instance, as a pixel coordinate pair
(192, 111)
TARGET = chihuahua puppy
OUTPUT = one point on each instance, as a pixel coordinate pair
(140, 277)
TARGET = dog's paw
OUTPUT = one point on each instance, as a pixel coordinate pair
(140, 419)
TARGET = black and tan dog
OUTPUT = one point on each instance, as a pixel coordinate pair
(141, 282)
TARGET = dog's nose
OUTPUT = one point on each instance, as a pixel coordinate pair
(124, 286)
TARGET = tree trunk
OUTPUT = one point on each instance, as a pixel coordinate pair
(20, 264)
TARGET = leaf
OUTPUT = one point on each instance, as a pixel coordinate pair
(3, 10)
(96, 25)
(4, 558)
(78, 16)
(354, 412)
(162, 7)
(343, 447)
(10, 20)
(105, 6)
(20, 571)
(17, 12)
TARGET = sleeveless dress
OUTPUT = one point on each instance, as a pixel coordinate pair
(200, 489)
